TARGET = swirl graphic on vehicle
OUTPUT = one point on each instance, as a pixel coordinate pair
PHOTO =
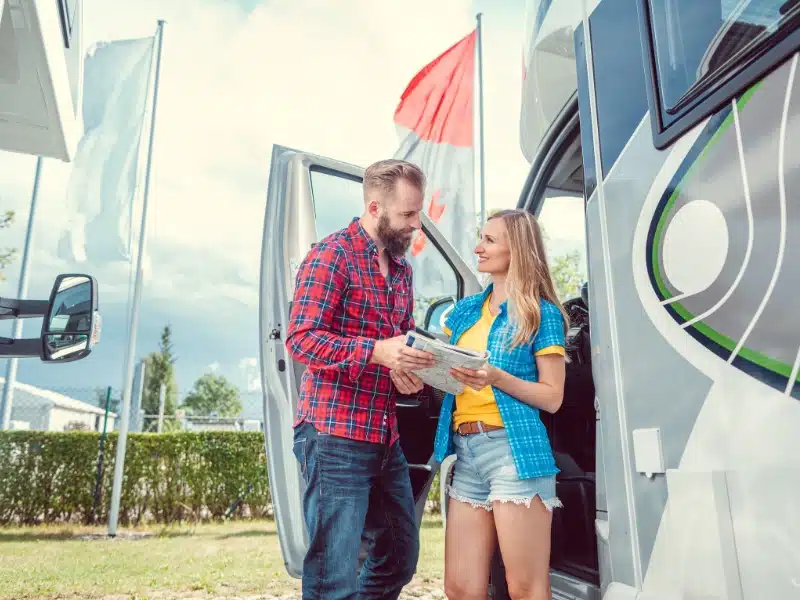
(723, 245)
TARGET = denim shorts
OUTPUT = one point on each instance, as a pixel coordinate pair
(484, 473)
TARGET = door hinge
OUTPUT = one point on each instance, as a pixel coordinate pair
(275, 334)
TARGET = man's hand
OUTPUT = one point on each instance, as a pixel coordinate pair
(477, 380)
(406, 383)
(394, 353)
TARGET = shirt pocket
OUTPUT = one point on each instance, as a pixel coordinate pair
(365, 307)
(402, 302)
(356, 310)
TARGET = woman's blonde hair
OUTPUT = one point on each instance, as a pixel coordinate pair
(529, 279)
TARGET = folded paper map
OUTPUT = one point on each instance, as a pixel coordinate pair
(447, 357)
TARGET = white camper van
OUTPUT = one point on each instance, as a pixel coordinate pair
(662, 134)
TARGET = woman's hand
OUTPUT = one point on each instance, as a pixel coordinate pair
(476, 379)
(406, 382)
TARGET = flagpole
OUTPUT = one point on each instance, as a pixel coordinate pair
(119, 462)
(481, 155)
(22, 292)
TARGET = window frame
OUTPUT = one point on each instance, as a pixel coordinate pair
(360, 179)
(565, 130)
(67, 10)
(757, 63)
(316, 168)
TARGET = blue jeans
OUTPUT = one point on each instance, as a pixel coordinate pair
(355, 488)
(485, 473)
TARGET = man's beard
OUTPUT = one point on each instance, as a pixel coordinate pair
(396, 241)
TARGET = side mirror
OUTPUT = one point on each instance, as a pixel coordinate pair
(71, 321)
(436, 315)
(72, 324)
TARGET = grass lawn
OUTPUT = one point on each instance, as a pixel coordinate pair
(193, 561)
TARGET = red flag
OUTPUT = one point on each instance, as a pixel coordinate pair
(435, 125)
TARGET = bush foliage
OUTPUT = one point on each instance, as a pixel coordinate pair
(48, 477)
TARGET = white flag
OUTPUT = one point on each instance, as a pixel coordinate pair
(102, 183)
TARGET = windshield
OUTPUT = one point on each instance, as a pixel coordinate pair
(549, 75)
(697, 43)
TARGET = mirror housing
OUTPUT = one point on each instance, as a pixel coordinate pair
(72, 324)
(71, 321)
(437, 313)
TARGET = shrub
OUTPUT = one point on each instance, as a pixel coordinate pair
(50, 477)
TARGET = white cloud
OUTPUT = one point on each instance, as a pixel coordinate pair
(323, 77)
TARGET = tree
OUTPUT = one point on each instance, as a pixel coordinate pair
(565, 270)
(160, 368)
(567, 275)
(213, 394)
(7, 255)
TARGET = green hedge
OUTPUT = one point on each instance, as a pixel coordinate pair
(50, 477)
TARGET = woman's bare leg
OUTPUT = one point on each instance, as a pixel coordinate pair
(524, 536)
(470, 540)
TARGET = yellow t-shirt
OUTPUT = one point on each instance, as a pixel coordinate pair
(480, 405)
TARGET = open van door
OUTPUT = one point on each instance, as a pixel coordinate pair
(308, 198)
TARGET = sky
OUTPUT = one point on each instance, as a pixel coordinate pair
(323, 77)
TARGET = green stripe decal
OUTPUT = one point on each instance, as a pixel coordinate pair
(720, 339)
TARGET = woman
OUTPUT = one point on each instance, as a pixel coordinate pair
(503, 487)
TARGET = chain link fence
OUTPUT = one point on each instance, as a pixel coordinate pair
(61, 409)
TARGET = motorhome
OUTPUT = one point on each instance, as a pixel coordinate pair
(41, 76)
(657, 132)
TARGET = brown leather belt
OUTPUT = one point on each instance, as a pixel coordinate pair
(473, 427)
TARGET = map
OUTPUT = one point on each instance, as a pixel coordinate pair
(447, 357)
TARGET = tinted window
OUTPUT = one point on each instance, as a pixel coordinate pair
(434, 276)
(698, 41)
(338, 198)
(619, 77)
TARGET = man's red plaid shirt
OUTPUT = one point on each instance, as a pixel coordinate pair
(342, 304)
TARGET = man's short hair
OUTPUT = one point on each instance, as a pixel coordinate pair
(384, 175)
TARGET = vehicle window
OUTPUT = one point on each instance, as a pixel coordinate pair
(619, 78)
(696, 42)
(563, 223)
(338, 198)
(434, 276)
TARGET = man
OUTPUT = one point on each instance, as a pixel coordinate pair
(352, 307)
